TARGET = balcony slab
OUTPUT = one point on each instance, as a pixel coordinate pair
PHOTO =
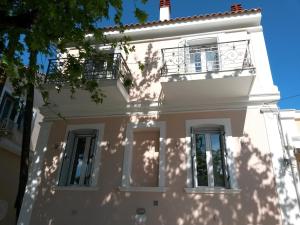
(81, 104)
(193, 90)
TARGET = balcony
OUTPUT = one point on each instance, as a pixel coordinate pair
(111, 73)
(204, 73)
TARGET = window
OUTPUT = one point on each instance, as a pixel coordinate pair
(80, 158)
(10, 112)
(144, 157)
(209, 165)
(203, 58)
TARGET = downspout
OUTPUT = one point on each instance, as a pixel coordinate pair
(287, 156)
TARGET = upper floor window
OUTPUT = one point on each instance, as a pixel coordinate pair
(80, 158)
(203, 58)
(207, 55)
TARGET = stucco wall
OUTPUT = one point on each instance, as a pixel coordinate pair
(145, 158)
(298, 125)
(255, 204)
(9, 174)
(149, 53)
(147, 84)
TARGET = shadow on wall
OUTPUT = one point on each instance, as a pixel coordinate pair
(147, 78)
(255, 204)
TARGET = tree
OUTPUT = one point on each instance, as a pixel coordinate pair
(30, 28)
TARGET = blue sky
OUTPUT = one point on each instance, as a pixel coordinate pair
(281, 23)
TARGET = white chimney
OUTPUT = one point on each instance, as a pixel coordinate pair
(164, 10)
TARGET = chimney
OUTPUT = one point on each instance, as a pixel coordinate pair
(164, 10)
(236, 8)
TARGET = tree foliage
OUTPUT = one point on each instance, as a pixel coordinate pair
(31, 28)
(47, 27)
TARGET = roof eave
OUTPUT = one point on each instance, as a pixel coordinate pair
(196, 25)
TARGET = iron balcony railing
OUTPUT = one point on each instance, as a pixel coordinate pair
(206, 58)
(100, 67)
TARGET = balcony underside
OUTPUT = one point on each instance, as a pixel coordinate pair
(82, 105)
(189, 90)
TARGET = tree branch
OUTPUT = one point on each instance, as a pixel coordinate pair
(21, 21)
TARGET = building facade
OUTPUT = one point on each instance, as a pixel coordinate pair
(11, 127)
(194, 140)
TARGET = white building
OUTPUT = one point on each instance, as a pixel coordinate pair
(195, 140)
(11, 127)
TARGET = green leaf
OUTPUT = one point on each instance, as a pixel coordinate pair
(140, 15)
(141, 66)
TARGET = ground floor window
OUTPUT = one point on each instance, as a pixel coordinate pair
(79, 158)
(209, 157)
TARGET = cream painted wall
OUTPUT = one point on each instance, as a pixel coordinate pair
(145, 159)
(147, 86)
(147, 83)
(298, 125)
(256, 203)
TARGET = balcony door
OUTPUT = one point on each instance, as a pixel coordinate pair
(202, 58)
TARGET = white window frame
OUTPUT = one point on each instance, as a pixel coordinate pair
(127, 161)
(208, 152)
(96, 165)
(205, 123)
(198, 42)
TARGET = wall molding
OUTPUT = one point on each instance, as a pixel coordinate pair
(127, 160)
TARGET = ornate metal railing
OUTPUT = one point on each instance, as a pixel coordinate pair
(100, 67)
(206, 58)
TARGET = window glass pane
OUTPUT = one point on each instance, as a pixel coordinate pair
(20, 118)
(201, 160)
(217, 160)
(91, 156)
(212, 58)
(78, 160)
(198, 62)
(13, 112)
(195, 58)
(8, 104)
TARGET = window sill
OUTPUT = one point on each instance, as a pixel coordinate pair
(209, 190)
(143, 189)
(75, 188)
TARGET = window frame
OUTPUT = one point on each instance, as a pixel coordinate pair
(11, 123)
(202, 46)
(128, 154)
(97, 158)
(207, 123)
(207, 133)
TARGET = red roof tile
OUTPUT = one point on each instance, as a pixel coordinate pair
(183, 19)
